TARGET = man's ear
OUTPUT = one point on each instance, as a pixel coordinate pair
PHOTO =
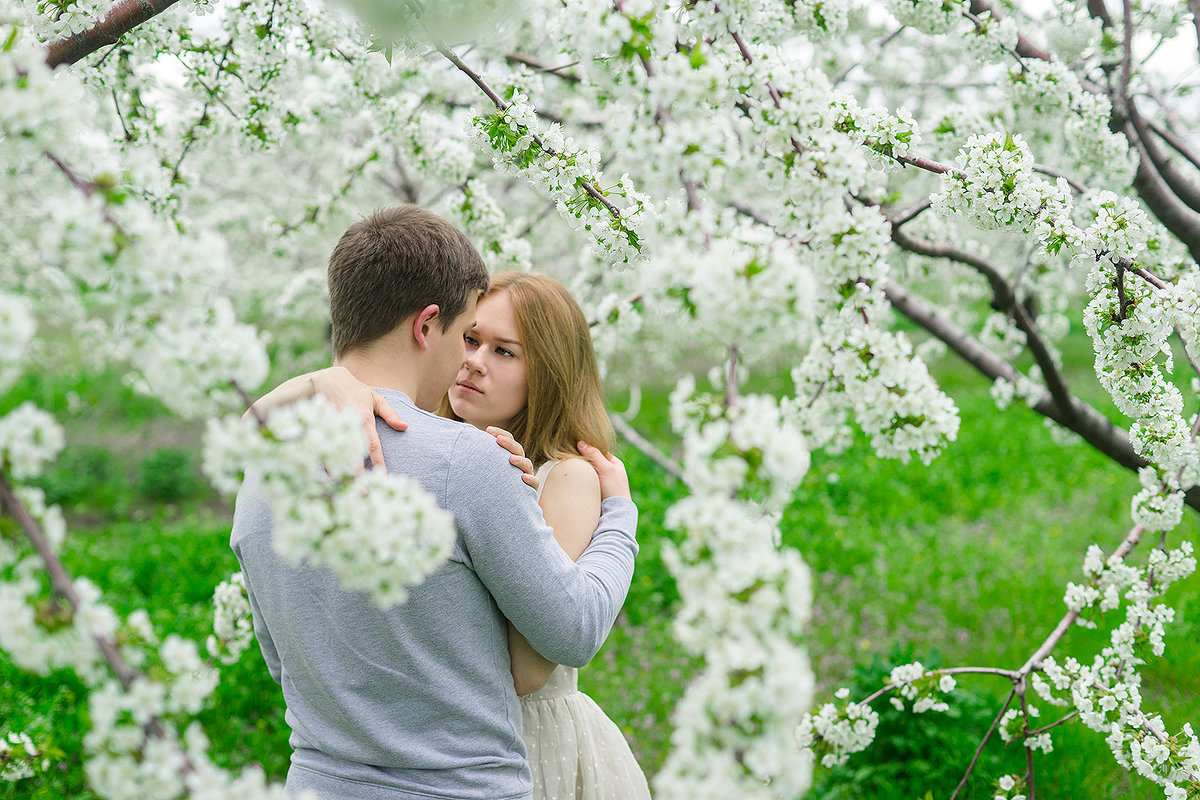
(423, 324)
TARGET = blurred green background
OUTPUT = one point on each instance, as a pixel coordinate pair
(963, 562)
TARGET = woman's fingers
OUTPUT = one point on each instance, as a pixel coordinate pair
(385, 412)
(374, 446)
(517, 457)
(613, 480)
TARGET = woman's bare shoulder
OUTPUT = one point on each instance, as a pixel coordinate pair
(573, 477)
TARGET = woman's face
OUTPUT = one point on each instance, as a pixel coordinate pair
(492, 386)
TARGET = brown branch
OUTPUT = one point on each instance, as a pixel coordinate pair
(1075, 185)
(497, 101)
(1182, 186)
(905, 217)
(631, 435)
(924, 163)
(124, 17)
(1029, 788)
(1126, 52)
(1061, 721)
(1177, 144)
(60, 580)
(1092, 426)
(986, 736)
(1060, 630)
(731, 378)
(251, 409)
(517, 57)
(1006, 673)
(1006, 300)
(84, 185)
(1098, 10)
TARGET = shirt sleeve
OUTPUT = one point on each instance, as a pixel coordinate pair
(564, 609)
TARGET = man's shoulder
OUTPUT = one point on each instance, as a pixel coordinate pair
(456, 441)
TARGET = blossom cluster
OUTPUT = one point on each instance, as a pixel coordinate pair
(1014, 726)
(1106, 692)
(744, 603)
(233, 628)
(750, 449)
(1010, 787)
(17, 327)
(378, 533)
(912, 682)
(571, 177)
(18, 757)
(29, 439)
(994, 187)
(837, 731)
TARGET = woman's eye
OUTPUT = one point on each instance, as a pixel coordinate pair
(504, 351)
(469, 339)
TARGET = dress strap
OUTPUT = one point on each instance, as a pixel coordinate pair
(542, 473)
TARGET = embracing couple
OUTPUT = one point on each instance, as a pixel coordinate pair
(421, 701)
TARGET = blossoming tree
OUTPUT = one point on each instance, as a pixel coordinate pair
(753, 184)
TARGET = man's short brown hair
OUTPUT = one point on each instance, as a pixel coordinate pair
(393, 264)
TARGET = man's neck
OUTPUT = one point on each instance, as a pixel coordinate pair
(384, 367)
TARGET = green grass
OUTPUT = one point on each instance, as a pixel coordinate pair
(959, 563)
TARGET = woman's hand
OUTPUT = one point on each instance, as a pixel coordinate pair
(340, 387)
(517, 459)
(614, 482)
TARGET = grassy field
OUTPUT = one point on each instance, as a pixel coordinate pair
(960, 563)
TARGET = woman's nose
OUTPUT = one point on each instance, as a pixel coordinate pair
(475, 363)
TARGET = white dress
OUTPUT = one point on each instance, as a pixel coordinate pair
(575, 751)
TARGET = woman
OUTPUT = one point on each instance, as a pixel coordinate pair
(530, 369)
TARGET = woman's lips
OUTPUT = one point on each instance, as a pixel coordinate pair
(468, 387)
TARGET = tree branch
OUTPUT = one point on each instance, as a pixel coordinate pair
(478, 80)
(1060, 630)
(1006, 300)
(1194, 7)
(124, 17)
(517, 57)
(1183, 188)
(1092, 426)
(631, 435)
(986, 736)
(1177, 144)
(59, 579)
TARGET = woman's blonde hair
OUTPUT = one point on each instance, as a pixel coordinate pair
(566, 402)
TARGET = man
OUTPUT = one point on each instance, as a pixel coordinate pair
(417, 702)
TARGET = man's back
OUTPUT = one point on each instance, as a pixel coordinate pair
(417, 701)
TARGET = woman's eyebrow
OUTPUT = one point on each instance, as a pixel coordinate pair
(508, 341)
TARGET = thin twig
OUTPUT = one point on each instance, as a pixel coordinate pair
(537, 66)
(1055, 724)
(631, 435)
(250, 407)
(478, 80)
(984, 741)
(1075, 185)
(1060, 630)
(905, 217)
(1030, 791)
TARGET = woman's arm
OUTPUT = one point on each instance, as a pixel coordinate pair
(341, 388)
(571, 505)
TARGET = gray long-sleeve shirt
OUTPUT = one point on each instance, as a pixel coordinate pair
(417, 702)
